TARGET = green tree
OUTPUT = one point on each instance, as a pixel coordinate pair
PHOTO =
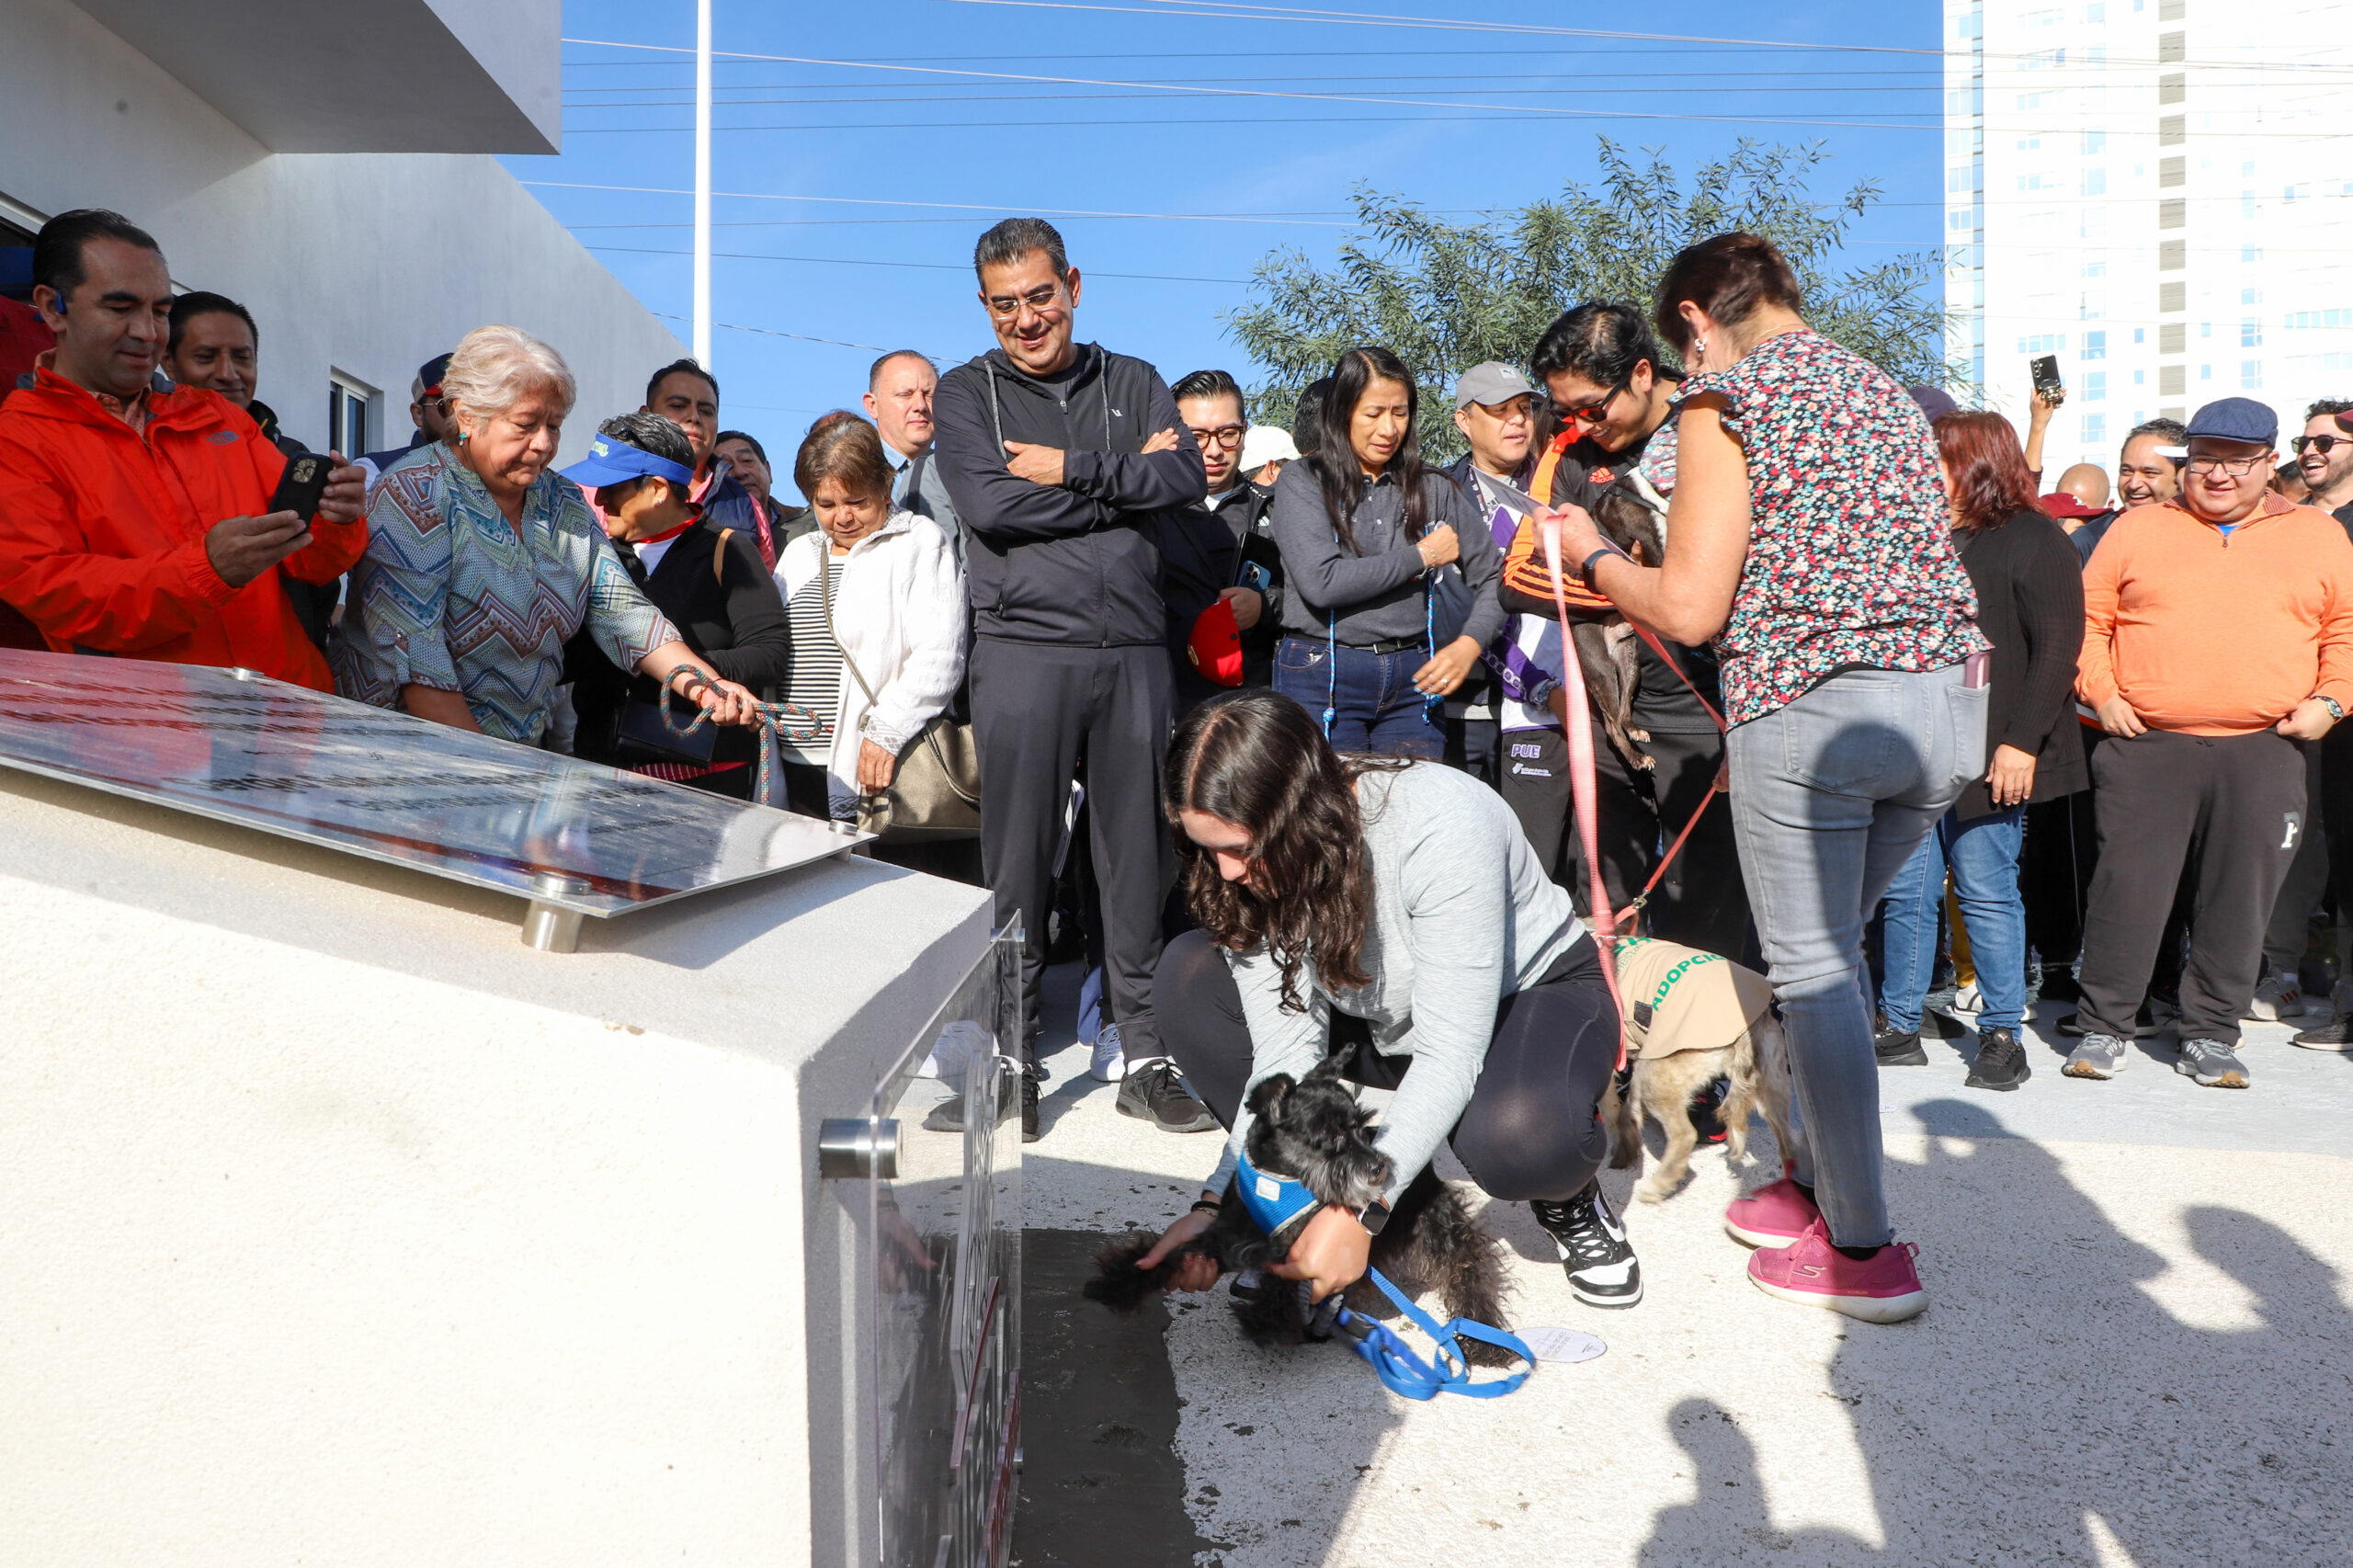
(1445, 296)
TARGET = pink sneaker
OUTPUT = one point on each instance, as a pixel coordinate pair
(1810, 1270)
(1772, 1216)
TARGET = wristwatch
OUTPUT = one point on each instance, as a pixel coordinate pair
(2336, 712)
(1373, 1216)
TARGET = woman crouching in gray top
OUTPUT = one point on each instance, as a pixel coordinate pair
(1393, 914)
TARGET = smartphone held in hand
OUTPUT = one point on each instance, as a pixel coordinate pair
(303, 486)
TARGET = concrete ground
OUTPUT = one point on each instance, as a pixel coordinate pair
(2140, 1351)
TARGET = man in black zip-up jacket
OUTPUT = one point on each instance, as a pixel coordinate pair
(1061, 459)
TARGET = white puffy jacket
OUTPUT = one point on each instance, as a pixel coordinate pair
(899, 613)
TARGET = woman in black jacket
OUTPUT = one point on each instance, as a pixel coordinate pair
(711, 584)
(1364, 529)
(2030, 605)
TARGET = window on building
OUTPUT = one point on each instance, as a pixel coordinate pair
(2251, 375)
(2095, 430)
(2095, 182)
(2044, 343)
(2250, 296)
(2140, 379)
(2095, 142)
(2095, 346)
(2318, 318)
(2029, 143)
(2205, 372)
(2246, 170)
(2140, 333)
(2095, 386)
(347, 423)
(2095, 269)
(2250, 252)
(2250, 332)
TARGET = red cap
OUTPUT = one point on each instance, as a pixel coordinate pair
(1215, 647)
(2059, 503)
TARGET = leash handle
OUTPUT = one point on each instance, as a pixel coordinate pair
(1582, 788)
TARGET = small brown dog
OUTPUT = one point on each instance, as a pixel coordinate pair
(1693, 1017)
(1606, 649)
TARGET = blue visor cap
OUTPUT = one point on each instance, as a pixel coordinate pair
(610, 461)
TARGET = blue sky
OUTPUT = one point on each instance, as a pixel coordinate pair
(864, 182)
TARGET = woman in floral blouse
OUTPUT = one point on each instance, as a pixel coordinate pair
(1808, 537)
(481, 564)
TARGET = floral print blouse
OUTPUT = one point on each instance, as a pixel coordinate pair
(452, 597)
(1851, 559)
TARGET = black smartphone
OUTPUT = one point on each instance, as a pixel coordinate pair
(302, 484)
(2046, 378)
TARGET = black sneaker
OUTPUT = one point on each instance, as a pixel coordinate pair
(1154, 1092)
(947, 1116)
(1944, 1023)
(1898, 1048)
(2001, 1062)
(1595, 1253)
(1029, 1079)
(2335, 1035)
(1706, 1111)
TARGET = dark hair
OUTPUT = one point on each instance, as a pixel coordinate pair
(1307, 416)
(58, 248)
(1727, 275)
(1990, 483)
(2328, 405)
(1601, 340)
(726, 435)
(2172, 432)
(1255, 760)
(655, 433)
(690, 366)
(188, 307)
(846, 450)
(1333, 461)
(1017, 237)
(1210, 383)
(874, 374)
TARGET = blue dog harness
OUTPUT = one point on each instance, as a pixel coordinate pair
(1278, 1202)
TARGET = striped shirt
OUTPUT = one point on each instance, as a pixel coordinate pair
(814, 680)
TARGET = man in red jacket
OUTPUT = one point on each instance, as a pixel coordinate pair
(134, 521)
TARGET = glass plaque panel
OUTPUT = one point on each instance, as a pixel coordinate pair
(285, 759)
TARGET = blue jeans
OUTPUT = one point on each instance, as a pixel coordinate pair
(1375, 705)
(1830, 796)
(1983, 854)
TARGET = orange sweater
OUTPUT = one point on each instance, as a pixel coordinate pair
(2216, 636)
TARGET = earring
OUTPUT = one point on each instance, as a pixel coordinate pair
(1700, 349)
(465, 436)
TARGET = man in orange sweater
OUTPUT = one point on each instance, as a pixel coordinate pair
(134, 521)
(2218, 642)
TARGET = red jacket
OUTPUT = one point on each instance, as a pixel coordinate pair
(102, 532)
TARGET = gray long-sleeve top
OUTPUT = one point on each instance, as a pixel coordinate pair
(1462, 916)
(1377, 591)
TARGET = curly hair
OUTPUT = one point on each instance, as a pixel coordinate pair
(1990, 483)
(1257, 760)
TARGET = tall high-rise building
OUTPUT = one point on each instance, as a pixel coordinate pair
(2160, 193)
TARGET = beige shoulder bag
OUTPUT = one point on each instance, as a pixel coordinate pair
(935, 792)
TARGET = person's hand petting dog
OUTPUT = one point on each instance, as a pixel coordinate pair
(1198, 1272)
(1331, 1254)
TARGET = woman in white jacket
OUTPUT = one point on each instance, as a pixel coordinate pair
(896, 610)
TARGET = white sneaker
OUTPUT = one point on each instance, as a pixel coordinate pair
(1969, 999)
(1109, 1061)
(2279, 996)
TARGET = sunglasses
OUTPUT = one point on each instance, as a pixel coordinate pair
(2321, 443)
(1597, 411)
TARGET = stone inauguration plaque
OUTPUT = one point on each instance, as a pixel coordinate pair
(574, 838)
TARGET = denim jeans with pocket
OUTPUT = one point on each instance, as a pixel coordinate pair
(1375, 705)
(1983, 855)
(1830, 797)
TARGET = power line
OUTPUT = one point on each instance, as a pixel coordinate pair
(916, 266)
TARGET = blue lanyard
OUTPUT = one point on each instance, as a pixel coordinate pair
(1402, 1371)
(1332, 649)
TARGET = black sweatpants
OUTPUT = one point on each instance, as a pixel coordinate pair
(1532, 1129)
(2307, 883)
(1034, 706)
(1702, 900)
(2231, 808)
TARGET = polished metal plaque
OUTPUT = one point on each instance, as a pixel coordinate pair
(574, 838)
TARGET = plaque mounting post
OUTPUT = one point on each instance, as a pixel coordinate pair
(551, 927)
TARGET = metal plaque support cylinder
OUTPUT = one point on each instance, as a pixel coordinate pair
(852, 1148)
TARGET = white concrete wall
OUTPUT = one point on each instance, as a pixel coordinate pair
(366, 265)
(341, 1228)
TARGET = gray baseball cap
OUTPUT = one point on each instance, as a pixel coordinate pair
(1491, 383)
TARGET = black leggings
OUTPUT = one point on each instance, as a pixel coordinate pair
(1532, 1129)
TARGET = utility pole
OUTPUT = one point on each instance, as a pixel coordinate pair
(702, 182)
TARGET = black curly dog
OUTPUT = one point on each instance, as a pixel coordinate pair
(1316, 1130)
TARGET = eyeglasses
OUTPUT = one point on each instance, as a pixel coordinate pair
(2237, 468)
(1599, 411)
(2322, 444)
(1040, 299)
(1223, 436)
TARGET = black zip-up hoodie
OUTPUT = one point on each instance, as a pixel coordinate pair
(1077, 563)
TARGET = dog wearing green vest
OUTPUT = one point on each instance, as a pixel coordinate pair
(1692, 1017)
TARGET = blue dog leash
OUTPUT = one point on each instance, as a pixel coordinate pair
(1279, 1202)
